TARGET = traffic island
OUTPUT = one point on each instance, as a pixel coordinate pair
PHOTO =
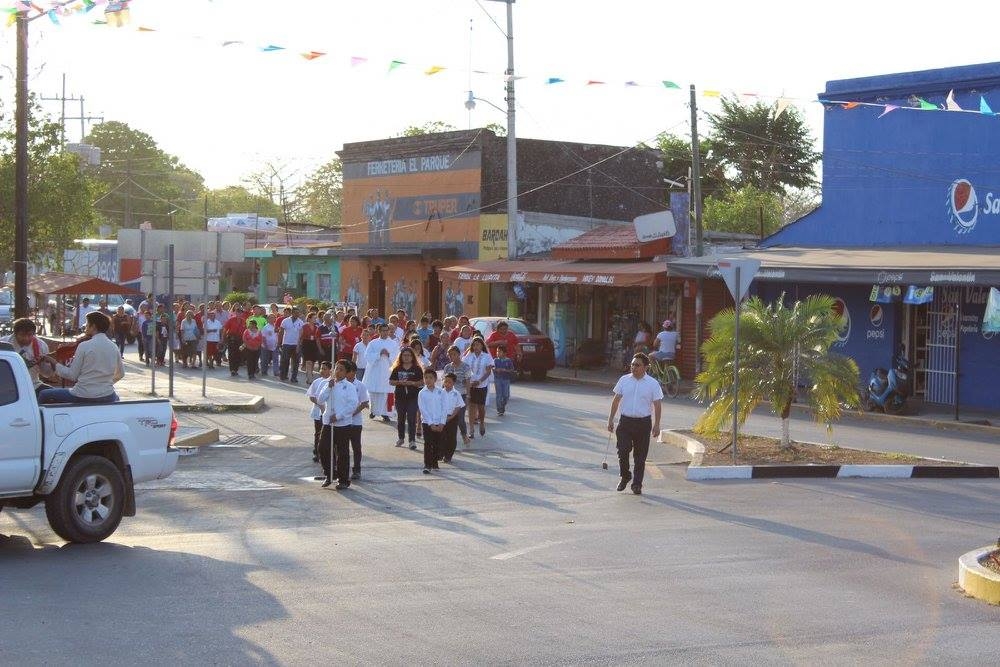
(763, 458)
(979, 574)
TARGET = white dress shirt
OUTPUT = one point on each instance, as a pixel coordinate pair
(431, 403)
(637, 395)
(359, 419)
(452, 401)
(340, 402)
(96, 366)
(479, 362)
(359, 353)
(212, 329)
(313, 392)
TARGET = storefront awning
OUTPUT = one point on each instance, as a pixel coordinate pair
(882, 266)
(555, 272)
(68, 283)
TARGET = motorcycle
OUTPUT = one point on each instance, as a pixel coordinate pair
(889, 389)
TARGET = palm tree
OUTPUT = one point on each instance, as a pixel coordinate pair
(778, 345)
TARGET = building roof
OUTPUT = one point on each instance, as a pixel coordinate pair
(606, 274)
(70, 283)
(610, 242)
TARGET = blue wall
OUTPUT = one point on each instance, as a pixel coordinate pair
(889, 181)
(867, 340)
(979, 360)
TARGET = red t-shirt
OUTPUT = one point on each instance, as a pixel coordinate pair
(509, 340)
(235, 325)
(349, 337)
(252, 340)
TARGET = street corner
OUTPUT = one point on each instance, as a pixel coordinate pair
(192, 437)
(979, 574)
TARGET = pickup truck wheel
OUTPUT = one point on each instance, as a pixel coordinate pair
(88, 504)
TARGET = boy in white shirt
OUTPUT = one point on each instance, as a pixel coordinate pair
(453, 405)
(358, 353)
(213, 329)
(359, 418)
(341, 401)
(431, 404)
(316, 413)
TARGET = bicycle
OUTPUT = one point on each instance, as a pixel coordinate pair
(667, 375)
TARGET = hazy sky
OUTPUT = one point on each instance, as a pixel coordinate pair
(226, 110)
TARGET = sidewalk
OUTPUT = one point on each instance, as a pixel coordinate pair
(187, 395)
(918, 413)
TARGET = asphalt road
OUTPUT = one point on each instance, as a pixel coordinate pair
(520, 552)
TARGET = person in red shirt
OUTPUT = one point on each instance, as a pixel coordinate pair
(232, 332)
(504, 335)
(349, 337)
(252, 340)
(463, 321)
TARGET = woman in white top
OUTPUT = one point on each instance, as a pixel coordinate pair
(481, 367)
(423, 358)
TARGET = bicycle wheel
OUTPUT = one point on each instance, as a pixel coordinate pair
(673, 381)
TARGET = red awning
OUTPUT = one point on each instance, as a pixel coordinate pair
(555, 272)
(68, 283)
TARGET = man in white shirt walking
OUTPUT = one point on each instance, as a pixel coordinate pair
(359, 418)
(431, 404)
(316, 413)
(288, 338)
(639, 396)
(340, 399)
(97, 366)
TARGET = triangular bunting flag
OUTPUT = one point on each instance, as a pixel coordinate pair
(53, 16)
(358, 60)
(230, 42)
(924, 104)
(395, 63)
(712, 93)
(145, 29)
(595, 83)
(11, 19)
(433, 69)
(670, 84)
(629, 84)
(554, 79)
(313, 55)
(889, 108)
(780, 107)
(850, 105)
(984, 107)
(950, 103)
(272, 47)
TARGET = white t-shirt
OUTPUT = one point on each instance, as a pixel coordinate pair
(212, 329)
(398, 335)
(270, 337)
(637, 395)
(479, 362)
(81, 316)
(668, 341)
(292, 329)
(359, 354)
(359, 419)
(463, 344)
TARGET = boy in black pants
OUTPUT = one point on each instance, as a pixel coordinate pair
(454, 417)
(359, 420)
(430, 402)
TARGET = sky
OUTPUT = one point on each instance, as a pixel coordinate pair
(225, 111)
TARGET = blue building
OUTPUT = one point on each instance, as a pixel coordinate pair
(911, 200)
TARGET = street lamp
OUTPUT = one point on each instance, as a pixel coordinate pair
(170, 213)
(21, 161)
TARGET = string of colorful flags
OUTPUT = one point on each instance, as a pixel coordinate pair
(116, 14)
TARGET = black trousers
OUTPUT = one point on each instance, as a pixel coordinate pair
(449, 438)
(432, 441)
(252, 359)
(633, 437)
(355, 438)
(233, 348)
(406, 417)
(317, 436)
(336, 443)
(289, 361)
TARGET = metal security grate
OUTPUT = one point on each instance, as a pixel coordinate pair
(243, 440)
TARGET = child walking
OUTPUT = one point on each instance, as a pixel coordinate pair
(503, 370)
(431, 404)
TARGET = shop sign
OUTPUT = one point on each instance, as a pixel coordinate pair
(964, 208)
(592, 279)
(876, 318)
(654, 226)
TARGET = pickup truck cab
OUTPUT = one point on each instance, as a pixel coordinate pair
(81, 460)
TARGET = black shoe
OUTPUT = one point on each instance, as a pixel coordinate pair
(356, 474)
(447, 460)
(624, 482)
(371, 415)
(413, 445)
(342, 485)
(385, 419)
(315, 459)
(637, 490)
(233, 374)
(319, 478)
(427, 471)
(328, 482)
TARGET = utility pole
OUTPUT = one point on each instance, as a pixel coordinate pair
(511, 140)
(699, 248)
(128, 193)
(62, 115)
(21, 171)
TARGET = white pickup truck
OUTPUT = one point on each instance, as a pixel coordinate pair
(81, 460)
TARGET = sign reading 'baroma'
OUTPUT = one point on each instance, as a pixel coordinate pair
(963, 206)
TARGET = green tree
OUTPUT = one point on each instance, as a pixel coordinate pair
(762, 148)
(778, 346)
(676, 157)
(144, 182)
(497, 128)
(745, 211)
(321, 195)
(60, 194)
(430, 127)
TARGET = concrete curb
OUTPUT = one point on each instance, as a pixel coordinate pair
(256, 404)
(200, 438)
(976, 580)
(698, 472)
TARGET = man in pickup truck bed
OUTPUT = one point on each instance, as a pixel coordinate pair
(95, 369)
(30, 347)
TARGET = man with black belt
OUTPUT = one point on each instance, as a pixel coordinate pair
(639, 397)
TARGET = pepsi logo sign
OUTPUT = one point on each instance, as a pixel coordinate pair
(964, 207)
(840, 308)
(876, 315)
